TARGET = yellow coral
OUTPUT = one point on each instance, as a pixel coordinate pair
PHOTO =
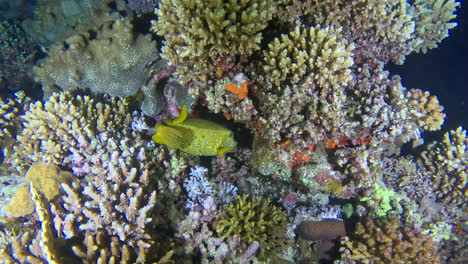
(198, 32)
(314, 55)
(254, 220)
(45, 178)
(448, 161)
(425, 109)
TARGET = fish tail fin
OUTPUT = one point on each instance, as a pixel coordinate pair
(182, 116)
(221, 151)
(169, 136)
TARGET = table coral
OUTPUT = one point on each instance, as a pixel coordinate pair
(111, 60)
(448, 161)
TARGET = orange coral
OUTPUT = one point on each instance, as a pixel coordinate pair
(299, 158)
(241, 92)
(330, 144)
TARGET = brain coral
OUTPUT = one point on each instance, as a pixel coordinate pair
(254, 220)
(112, 60)
(198, 32)
(448, 161)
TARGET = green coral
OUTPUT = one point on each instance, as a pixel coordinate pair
(199, 32)
(448, 161)
(254, 220)
(383, 201)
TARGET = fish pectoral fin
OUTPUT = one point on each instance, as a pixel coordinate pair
(170, 136)
(220, 151)
(182, 116)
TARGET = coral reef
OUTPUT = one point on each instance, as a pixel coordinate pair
(447, 160)
(433, 22)
(58, 19)
(10, 121)
(322, 131)
(113, 60)
(63, 126)
(327, 229)
(142, 6)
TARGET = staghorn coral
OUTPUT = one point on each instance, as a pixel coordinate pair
(387, 30)
(433, 22)
(254, 220)
(112, 60)
(387, 240)
(425, 109)
(447, 160)
(10, 111)
(48, 245)
(198, 32)
(312, 57)
(65, 120)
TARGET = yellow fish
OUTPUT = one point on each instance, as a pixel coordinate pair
(194, 136)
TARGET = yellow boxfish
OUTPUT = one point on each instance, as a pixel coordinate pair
(194, 136)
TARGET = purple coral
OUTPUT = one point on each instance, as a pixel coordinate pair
(198, 187)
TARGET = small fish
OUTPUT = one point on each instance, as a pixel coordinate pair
(194, 136)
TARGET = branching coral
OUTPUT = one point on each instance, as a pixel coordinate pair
(198, 32)
(433, 22)
(51, 128)
(254, 220)
(425, 109)
(112, 60)
(384, 240)
(448, 161)
(309, 57)
(10, 112)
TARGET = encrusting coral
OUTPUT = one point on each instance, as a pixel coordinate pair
(448, 161)
(46, 178)
(114, 60)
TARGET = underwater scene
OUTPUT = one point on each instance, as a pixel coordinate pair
(236, 131)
